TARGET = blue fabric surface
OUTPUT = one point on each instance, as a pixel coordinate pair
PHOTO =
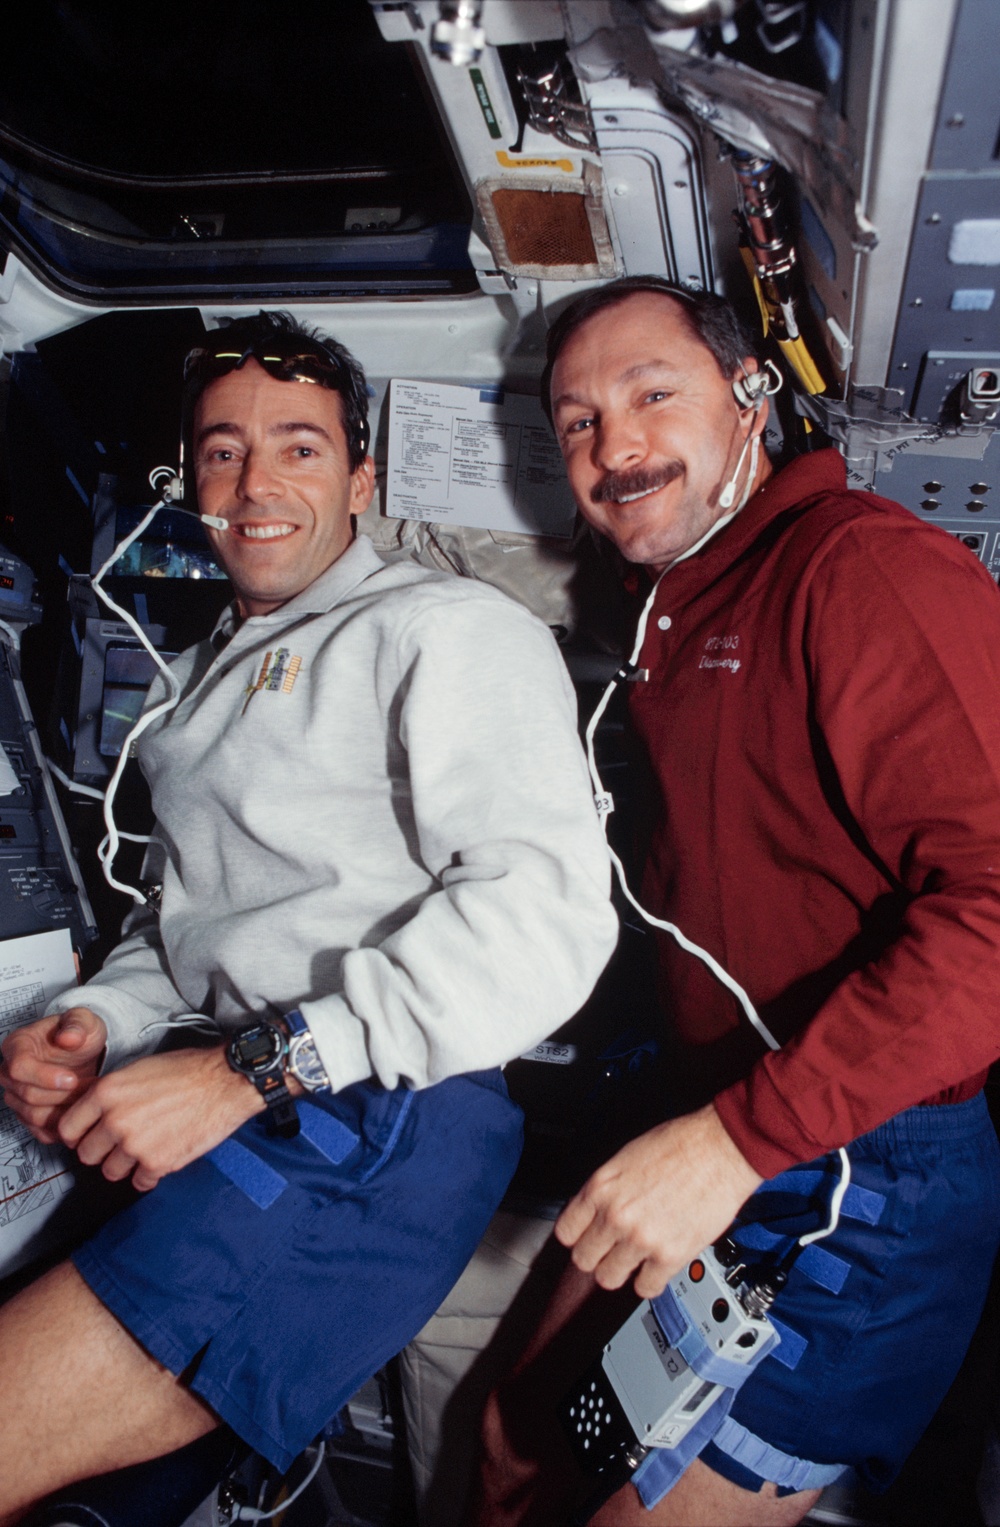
(284, 1311)
(859, 1373)
(814, 1262)
(859, 1203)
(326, 1132)
(789, 1353)
(260, 1182)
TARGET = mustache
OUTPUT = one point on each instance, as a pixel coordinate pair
(618, 485)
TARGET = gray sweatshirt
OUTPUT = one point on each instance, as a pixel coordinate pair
(372, 805)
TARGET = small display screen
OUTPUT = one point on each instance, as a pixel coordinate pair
(6, 581)
(7, 831)
(258, 1049)
(700, 1394)
(128, 673)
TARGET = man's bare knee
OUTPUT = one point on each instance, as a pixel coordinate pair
(81, 1396)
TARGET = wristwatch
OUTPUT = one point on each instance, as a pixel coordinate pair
(258, 1053)
(303, 1058)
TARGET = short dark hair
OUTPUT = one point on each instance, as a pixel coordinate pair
(710, 318)
(285, 334)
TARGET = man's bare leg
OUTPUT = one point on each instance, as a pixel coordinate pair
(702, 1498)
(80, 1396)
(528, 1477)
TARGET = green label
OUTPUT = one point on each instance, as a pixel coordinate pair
(485, 104)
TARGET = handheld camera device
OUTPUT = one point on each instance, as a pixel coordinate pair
(642, 1393)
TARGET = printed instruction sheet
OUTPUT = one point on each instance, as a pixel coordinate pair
(475, 456)
(33, 1177)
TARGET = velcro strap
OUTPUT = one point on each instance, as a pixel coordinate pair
(789, 1353)
(863, 1204)
(770, 1463)
(757, 1237)
(246, 1171)
(859, 1203)
(824, 1267)
(326, 1132)
(819, 1265)
(662, 1467)
(681, 1333)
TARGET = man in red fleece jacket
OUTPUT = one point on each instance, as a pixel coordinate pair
(821, 727)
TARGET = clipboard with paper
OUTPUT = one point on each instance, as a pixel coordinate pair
(35, 1179)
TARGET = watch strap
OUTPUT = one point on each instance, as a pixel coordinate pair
(303, 1059)
(282, 1114)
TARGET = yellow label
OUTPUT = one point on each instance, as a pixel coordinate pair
(508, 163)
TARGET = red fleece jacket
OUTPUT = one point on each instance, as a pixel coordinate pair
(822, 719)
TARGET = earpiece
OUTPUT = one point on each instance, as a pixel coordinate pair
(753, 387)
(170, 486)
(750, 391)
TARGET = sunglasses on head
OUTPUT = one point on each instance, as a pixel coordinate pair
(204, 366)
(306, 366)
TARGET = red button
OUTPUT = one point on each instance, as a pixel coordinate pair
(696, 1271)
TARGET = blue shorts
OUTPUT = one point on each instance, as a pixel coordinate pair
(876, 1318)
(278, 1275)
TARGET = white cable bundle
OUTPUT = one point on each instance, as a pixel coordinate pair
(109, 845)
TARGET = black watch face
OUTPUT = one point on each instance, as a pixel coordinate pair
(258, 1050)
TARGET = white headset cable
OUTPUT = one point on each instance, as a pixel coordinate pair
(836, 1200)
(605, 803)
(109, 846)
(11, 635)
(253, 1514)
(94, 795)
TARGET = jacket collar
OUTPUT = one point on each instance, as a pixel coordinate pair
(351, 568)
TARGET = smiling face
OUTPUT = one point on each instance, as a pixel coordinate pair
(649, 428)
(271, 458)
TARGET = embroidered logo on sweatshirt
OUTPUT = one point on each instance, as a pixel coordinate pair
(720, 652)
(279, 674)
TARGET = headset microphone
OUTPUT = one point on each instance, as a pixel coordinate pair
(172, 494)
(752, 444)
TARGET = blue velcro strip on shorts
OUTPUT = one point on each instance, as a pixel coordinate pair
(829, 1271)
(789, 1353)
(859, 1203)
(756, 1238)
(260, 1182)
(819, 1265)
(863, 1204)
(768, 1462)
(331, 1138)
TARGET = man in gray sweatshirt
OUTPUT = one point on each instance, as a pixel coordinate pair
(380, 877)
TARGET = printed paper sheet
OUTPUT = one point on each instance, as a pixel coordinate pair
(33, 1177)
(474, 456)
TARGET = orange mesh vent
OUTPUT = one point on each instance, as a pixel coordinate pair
(545, 227)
